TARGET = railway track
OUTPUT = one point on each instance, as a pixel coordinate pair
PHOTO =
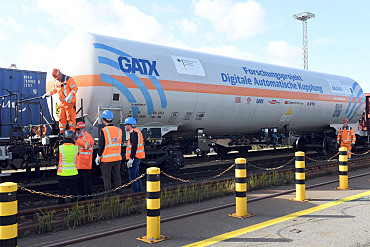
(197, 171)
(28, 218)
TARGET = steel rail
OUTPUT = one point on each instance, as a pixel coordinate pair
(129, 228)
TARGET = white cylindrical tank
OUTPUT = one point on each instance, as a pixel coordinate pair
(163, 86)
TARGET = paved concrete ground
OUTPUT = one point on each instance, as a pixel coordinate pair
(345, 224)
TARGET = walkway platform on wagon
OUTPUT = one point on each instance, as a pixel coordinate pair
(331, 218)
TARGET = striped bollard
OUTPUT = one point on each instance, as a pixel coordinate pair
(153, 202)
(343, 169)
(300, 177)
(8, 214)
(241, 189)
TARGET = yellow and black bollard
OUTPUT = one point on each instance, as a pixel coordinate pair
(8, 214)
(343, 169)
(300, 177)
(153, 201)
(241, 189)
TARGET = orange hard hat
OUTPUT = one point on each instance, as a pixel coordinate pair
(56, 73)
(80, 125)
(345, 120)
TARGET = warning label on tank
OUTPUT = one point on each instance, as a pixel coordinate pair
(335, 86)
(173, 117)
(338, 110)
(188, 66)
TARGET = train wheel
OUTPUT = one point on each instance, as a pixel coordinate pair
(300, 144)
(174, 162)
(169, 167)
(329, 145)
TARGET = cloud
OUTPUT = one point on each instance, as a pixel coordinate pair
(34, 56)
(188, 27)
(163, 10)
(321, 41)
(8, 26)
(112, 18)
(241, 20)
(282, 53)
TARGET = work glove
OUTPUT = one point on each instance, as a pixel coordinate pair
(97, 160)
(69, 98)
(129, 163)
(353, 145)
(46, 95)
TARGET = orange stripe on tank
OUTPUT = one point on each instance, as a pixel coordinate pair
(191, 87)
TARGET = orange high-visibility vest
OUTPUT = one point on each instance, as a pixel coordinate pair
(140, 153)
(64, 89)
(346, 135)
(67, 160)
(85, 145)
(113, 142)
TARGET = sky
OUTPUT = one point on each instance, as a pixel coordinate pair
(257, 30)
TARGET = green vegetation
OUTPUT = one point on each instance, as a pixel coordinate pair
(112, 207)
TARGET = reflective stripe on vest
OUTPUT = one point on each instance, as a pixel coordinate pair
(345, 135)
(140, 153)
(87, 150)
(67, 160)
(113, 143)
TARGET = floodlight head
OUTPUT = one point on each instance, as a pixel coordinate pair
(304, 16)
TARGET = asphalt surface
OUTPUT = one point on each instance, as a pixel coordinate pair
(278, 221)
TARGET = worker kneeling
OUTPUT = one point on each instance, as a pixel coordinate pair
(346, 137)
(67, 169)
(134, 152)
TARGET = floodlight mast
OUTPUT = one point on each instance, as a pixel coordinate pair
(304, 16)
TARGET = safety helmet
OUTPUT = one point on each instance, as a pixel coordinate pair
(130, 120)
(69, 134)
(80, 125)
(56, 73)
(107, 114)
(345, 120)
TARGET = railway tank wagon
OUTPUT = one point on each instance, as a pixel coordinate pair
(185, 100)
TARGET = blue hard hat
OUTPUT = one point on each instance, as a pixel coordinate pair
(69, 134)
(107, 114)
(130, 120)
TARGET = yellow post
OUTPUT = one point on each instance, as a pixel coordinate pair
(8, 214)
(343, 169)
(153, 201)
(300, 177)
(241, 189)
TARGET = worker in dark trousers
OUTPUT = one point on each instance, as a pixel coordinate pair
(109, 153)
(67, 169)
(134, 152)
(85, 144)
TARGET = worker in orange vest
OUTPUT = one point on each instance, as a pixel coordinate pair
(67, 90)
(346, 137)
(85, 144)
(109, 151)
(134, 152)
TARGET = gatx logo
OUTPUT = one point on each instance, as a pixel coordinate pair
(133, 68)
(132, 65)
